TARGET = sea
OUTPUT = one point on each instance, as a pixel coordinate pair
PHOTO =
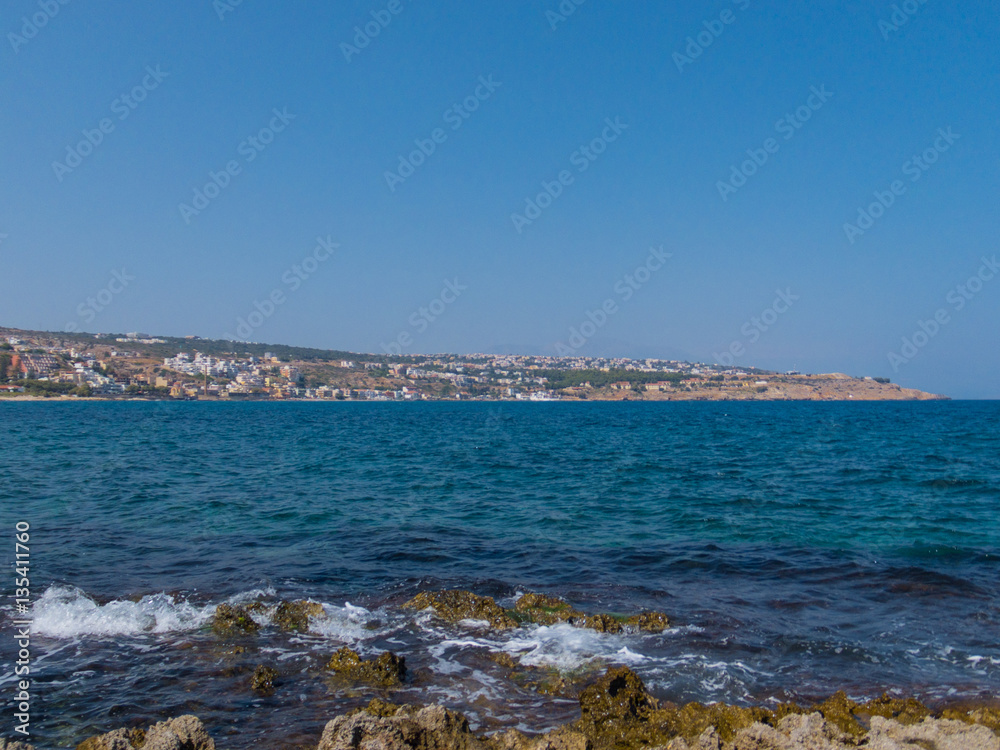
(798, 549)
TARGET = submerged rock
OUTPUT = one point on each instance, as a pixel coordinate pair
(182, 733)
(262, 680)
(430, 728)
(294, 616)
(455, 605)
(232, 619)
(386, 670)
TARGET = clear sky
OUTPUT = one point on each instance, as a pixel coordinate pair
(494, 174)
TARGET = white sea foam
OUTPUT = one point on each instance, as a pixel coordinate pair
(67, 612)
(566, 647)
(349, 623)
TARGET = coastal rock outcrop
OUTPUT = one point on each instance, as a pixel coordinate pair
(454, 605)
(409, 728)
(545, 610)
(385, 670)
(939, 734)
(231, 619)
(14, 745)
(562, 738)
(294, 616)
(181, 733)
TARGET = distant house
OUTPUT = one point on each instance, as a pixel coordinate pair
(34, 365)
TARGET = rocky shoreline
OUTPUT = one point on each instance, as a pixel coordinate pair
(616, 710)
(618, 713)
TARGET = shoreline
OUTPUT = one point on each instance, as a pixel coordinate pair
(616, 712)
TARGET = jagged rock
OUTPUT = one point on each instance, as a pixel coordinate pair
(692, 720)
(294, 616)
(262, 680)
(707, 740)
(988, 716)
(617, 696)
(649, 622)
(854, 718)
(14, 745)
(386, 670)
(797, 732)
(617, 713)
(231, 619)
(602, 623)
(562, 738)
(182, 733)
(430, 728)
(455, 605)
(379, 707)
(938, 734)
(545, 610)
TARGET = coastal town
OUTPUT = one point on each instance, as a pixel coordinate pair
(139, 366)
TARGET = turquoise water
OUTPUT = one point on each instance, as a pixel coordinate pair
(800, 547)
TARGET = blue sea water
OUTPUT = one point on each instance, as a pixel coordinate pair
(799, 548)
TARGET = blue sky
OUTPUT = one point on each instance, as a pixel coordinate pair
(534, 85)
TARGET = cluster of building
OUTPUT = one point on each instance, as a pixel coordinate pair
(194, 375)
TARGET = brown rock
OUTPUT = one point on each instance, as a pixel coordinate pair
(386, 670)
(431, 728)
(182, 733)
(602, 623)
(294, 616)
(932, 734)
(262, 680)
(648, 622)
(545, 610)
(456, 605)
(231, 619)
